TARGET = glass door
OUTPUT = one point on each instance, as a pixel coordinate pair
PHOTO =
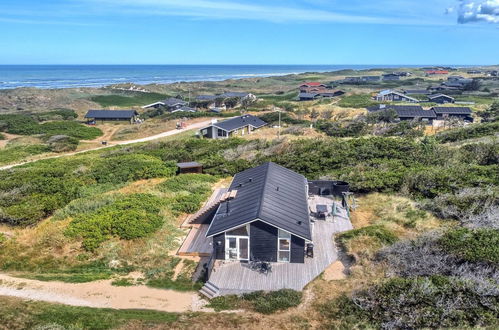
(231, 248)
(284, 246)
(243, 248)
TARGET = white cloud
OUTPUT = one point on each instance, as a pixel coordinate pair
(478, 11)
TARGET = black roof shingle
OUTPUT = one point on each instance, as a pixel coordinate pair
(270, 193)
(239, 122)
(108, 114)
(452, 110)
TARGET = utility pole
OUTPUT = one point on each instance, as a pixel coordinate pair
(279, 128)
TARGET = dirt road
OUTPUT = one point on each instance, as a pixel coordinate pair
(115, 143)
(101, 294)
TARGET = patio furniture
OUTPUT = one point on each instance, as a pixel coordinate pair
(260, 266)
(321, 210)
(310, 250)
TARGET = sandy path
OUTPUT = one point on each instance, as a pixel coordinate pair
(100, 294)
(111, 144)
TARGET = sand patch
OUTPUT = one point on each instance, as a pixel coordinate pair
(336, 271)
(99, 294)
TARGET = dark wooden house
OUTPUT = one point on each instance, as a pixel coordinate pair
(265, 217)
(463, 113)
(189, 167)
(112, 115)
(441, 98)
(237, 126)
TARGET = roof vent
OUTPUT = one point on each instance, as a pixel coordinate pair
(299, 222)
(250, 180)
(240, 184)
(277, 188)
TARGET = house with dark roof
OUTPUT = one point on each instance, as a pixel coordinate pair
(237, 126)
(171, 104)
(270, 229)
(394, 96)
(416, 91)
(112, 115)
(406, 112)
(443, 113)
(391, 76)
(183, 109)
(441, 98)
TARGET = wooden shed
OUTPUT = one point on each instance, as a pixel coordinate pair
(189, 167)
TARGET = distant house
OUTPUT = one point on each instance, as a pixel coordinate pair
(446, 89)
(370, 78)
(394, 96)
(112, 115)
(355, 80)
(436, 72)
(206, 97)
(391, 76)
(416, 114)
(463, 113)
(382, 107)
(312, 87)
(184, 109)
(237, 126)
(307, 96)
(441, 98)
(474, 72)
(211, 99)
(455, 78)
(171, 103)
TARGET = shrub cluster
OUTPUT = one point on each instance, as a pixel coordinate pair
(259, 301)
(192, 190)
(378, 232)
(130, 217)
(470, 132)
(473, 245)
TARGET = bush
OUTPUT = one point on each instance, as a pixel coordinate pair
(473, 244)
(131, 217)
(470, 132)
(357, 101)
(131, 167)
(191, 183)
(18, 153)
(343, 129)
(272, 118)
(258, 301)
(379, 232)
(62, 143)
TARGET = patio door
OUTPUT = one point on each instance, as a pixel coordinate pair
(236, 248)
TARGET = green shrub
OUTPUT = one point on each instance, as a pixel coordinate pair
(18, 153)
(258, 301)
(131, 167)
(424, 302)
(470, 132)
(2, 137)
(192, 183)
(379, 232)
(122, 282)
(357, 101)
(272, 118)
(2, 238)
(473, 244)
(343, 129)
(131, 217)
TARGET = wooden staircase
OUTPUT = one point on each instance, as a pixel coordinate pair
(210, 290)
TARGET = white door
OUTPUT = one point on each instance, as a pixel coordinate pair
(236, 248)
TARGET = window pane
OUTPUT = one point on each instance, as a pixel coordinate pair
(283, 244)
(284, 256)
(243, 248)
(232, 243)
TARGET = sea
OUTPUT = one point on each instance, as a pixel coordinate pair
(73, 76)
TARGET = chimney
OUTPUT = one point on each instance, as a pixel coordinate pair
(214, 121)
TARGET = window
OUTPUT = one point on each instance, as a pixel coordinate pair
(237, 244)
(283, 246)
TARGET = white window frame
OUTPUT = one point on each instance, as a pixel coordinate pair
(282, 234)
(238, 238)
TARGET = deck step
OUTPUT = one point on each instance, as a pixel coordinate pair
(210, 290)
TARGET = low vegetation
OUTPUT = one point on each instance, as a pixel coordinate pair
(127, 99)
(470, 132)
(259, 301)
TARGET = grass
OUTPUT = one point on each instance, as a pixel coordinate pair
(128, 99)
(356, 101)
(21, 314)
(13, 154)
(475, 245)
(259, 301)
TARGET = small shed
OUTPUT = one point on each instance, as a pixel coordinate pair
(189, 167)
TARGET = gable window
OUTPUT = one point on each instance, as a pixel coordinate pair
(283, 246)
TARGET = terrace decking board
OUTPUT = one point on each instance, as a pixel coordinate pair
(196, 243)
(238, 278)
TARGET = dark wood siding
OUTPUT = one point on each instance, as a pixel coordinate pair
(263, 242)
(219, 246)
(297, 249)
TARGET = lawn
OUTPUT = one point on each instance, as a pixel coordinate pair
(128, 99)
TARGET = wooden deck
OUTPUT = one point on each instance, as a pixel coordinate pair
(196, 243)
(238, 278)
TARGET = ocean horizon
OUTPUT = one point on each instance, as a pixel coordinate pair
(75, 76)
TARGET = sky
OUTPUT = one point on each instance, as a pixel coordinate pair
(395, 32)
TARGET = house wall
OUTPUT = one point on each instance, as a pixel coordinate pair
(297, 249)
(263, 242)
(219, 246)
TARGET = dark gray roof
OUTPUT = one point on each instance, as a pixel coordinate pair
(173, 102)
(417, 91)
(241, 121)
(106, 114)
(184, 109)
(439, 95)
(270, 193)
(189, 165)
(381, 107)
(206, 97)
(413, 113)
(452, 110)
(307, 95)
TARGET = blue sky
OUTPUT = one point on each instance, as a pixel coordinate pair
(249, 32)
